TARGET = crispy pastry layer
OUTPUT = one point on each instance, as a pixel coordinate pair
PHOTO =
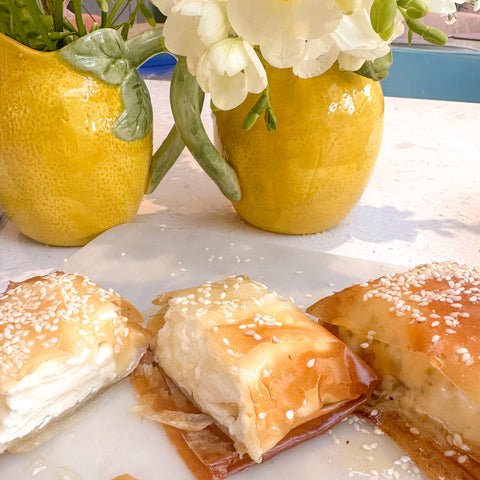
(62, 340)
(421, 331)
(254, 362)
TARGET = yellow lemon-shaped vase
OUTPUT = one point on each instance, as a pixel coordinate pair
(65, 176)
(308, 174)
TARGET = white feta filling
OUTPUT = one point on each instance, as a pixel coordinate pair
(53, 388)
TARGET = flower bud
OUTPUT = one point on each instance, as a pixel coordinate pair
(249, 120)
(416, 26)
(435, 36)
(348, 7)
(417, 9)
(382, 17)
(270, 119)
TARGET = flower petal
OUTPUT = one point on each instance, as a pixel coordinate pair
(441, 6)
(256, 20)
(282, 51)
(165, 6)
(349, 62)
(228, 92)
(254, 71)
(320, 55)
(179, 38)
(213, 25)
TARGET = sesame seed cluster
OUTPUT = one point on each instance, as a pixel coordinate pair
(237, 308)
(441, 295)
(42, 312)
(227, 302)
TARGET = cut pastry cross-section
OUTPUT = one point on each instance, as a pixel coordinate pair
(62, 340)
(421, 331)
(253, 361)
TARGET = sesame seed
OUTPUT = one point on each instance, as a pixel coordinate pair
(261, 415)
(462, 459)
(311, 363)
(31, 311)
(466, 356)
(414, 431)
(289, 414)
(435, 338)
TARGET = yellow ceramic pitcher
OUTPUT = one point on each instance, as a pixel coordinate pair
(75, 138)
(309, 173)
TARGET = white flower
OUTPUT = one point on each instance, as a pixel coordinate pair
(165, 6)
(280, 28)
(229, 70)
(348, 6)
(193, 26)
(442, 6)
(353, 42)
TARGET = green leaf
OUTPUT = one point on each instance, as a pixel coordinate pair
(378, 69)
(102, 53)
(105, 55)
(382, 16)
(186, 100)
(137, 117)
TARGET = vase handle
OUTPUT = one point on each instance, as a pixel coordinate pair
(140, 48)
(186, 100)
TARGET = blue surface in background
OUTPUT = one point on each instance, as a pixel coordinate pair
(438, 73)
(159, 65)
(434, 73)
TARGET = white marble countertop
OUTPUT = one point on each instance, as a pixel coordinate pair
(422, 203)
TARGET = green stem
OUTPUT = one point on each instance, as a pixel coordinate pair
(33, 10)
(145, 45)
(77, 8)
(104, 19)
(186, 100)
(113, 12)
(58, 15)
(16, 19)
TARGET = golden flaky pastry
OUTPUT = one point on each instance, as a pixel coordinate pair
(254, 362)
(421, 331)
(62, 340)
